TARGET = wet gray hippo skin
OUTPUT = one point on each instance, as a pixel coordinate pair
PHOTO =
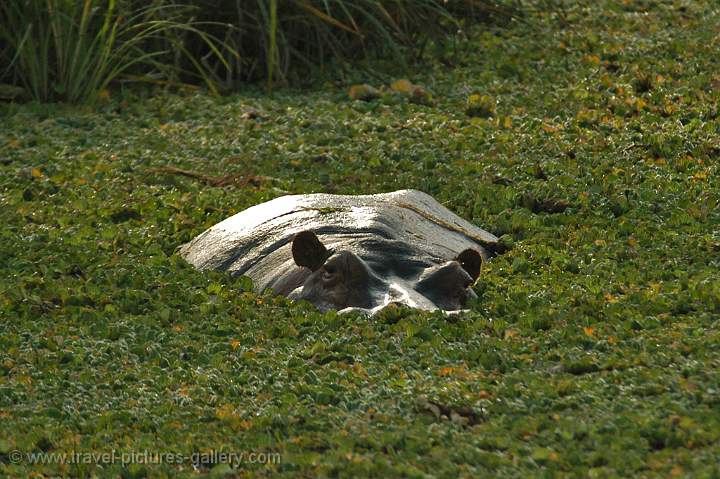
(351, 253)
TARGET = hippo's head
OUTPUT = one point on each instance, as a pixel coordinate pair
(343, 280)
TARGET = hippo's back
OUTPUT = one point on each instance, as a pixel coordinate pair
(256, 241)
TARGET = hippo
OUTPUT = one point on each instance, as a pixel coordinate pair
(351, 252)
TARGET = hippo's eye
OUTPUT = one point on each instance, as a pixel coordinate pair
(329, 273)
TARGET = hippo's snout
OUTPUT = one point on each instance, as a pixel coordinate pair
(344, 281)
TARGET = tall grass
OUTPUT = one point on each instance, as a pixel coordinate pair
(71, 50)
(279, 40)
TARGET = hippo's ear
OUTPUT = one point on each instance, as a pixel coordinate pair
(470, 260)
(308, 251)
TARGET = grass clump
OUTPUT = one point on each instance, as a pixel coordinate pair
(71, 51)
